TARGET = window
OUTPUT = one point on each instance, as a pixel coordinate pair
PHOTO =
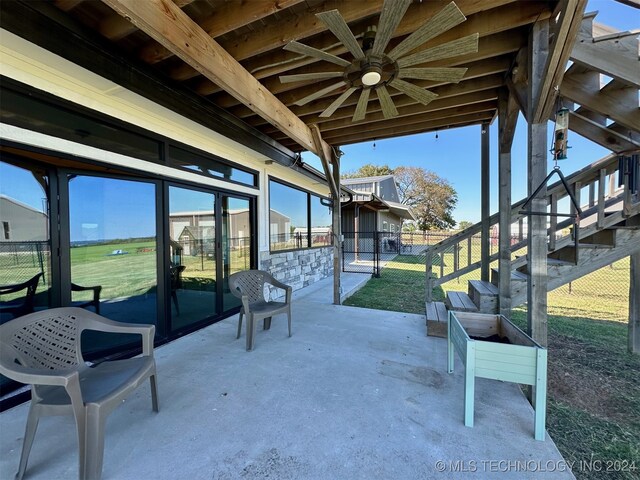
(384, 226)
(209, 166)
(7, 230)
(320, 223)
(298, 219)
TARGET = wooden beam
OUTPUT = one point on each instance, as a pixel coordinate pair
(536, 173)
(66, 5)
(506, 127)
(619, 104)
(615, 57)
(634, 304)
(224, 19)
(563, 38)
(325, 154)
(167, 24)
(602, 135)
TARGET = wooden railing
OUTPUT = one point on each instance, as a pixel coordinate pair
(595, 189)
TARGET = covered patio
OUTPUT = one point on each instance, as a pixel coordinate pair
(355, 393)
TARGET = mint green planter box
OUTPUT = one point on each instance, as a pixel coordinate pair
(523, 361)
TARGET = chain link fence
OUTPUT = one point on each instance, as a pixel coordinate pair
(399, 260)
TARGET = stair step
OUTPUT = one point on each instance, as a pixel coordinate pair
(436, 319)
(594, 245)
(484, 295)
(516, 276)
(460, 302)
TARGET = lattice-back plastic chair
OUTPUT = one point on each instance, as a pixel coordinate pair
(249, 286)
(43, 349)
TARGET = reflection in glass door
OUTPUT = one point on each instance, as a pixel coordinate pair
(112, 237)
(193, 262)
(236, 242)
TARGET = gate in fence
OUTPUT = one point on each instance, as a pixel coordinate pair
(361, 252)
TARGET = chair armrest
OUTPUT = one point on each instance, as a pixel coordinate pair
(38, 376)
(96, 290)
(93, 321)
(278, 284)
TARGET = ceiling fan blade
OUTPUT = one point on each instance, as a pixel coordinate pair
(444, 74)
(444, 20)
(392, 13)
(454, 48)
(334, 21)
(318, 94)
(418, 94)
(388, 108)
(361, 108)
(315, 53)
(337, 102)
(309, 76)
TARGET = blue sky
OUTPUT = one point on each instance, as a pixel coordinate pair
(455, 154)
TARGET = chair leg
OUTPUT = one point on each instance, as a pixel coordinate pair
(266, 323)
(154, 392)
(29, 435)
(289, 318)
(239, 326)
(251, 332)
(94, 444)
(174, 296)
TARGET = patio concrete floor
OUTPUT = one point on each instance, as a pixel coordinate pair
(354, 394)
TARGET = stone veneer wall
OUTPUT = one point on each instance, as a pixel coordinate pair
(300, 268)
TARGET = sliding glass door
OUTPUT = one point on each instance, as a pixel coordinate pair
(193, 256)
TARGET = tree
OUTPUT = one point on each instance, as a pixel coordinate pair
(369, 170)
(431, 197)
(464, 224)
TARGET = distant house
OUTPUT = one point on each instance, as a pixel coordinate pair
(374, 206)
(21, 223)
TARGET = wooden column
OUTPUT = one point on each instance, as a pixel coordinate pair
(485, 179)
(337, 232)
(634, 304)
(537, 146)
(507, 119)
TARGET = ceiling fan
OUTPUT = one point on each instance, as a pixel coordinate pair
(373, 69)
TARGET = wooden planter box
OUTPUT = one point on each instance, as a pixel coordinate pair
(523, 361)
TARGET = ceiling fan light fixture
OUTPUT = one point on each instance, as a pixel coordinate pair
(371, 75)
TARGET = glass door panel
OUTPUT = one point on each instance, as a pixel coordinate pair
(25, 247)
(192, 251)
(236, 242)
(112, 234)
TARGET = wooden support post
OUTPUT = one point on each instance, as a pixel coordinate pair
(634, 304)
(337, 233)
(507, 119)
(485, 179)
(537, 172)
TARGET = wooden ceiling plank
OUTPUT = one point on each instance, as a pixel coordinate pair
(420, 127)
(309, 113)
(226, 18)
(494, 46)
(414, 109)
(67, 5)
(496, 20)
(277, 35)
(167, 24)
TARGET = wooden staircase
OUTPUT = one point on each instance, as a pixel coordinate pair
(609, 230)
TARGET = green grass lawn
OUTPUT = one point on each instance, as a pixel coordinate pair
(594, 389)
